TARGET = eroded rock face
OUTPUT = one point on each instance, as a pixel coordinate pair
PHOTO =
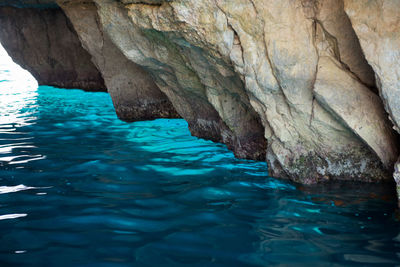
(203, 87)
(292, 62)
(44, 42)
(376, 24)
(135, 96)
(148, 2)
(292, 72)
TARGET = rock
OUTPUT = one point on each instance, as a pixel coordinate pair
(376, 24)
(241, 72)
(271, 62)
(44, 42)
(135, 95)
(203, 87)
(357, 107)
(337, 27)
(148, 2)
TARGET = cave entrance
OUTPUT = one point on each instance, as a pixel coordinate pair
(14, 74)
(18, 89)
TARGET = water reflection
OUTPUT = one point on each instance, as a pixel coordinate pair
(17, 188)
(12, 216)
(18, 109)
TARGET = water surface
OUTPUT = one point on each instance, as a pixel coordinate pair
(78, 187)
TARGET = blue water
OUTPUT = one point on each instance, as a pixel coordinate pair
(78, 187)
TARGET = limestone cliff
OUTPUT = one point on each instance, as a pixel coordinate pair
(376, 24)
(303, 73)
(45, 43)
(204, 89)
(132, 89)
(313, 86)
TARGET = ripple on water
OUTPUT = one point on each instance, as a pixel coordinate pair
(80, 187)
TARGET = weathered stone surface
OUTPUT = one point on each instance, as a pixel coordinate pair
(377, 24)
(343, 41)
(133, 91)
(202, 86)
(291, 71)
(150, 2)
(357, 107)
(45, 43)
(271, 62)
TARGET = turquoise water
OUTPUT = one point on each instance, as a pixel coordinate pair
(78, 187)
